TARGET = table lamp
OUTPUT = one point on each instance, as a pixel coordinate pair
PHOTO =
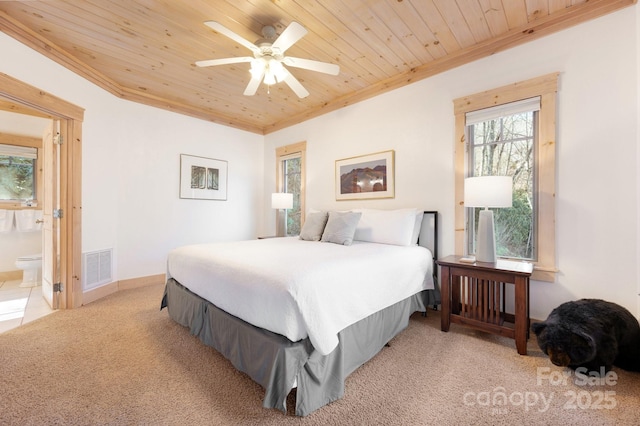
(281, 201)
(487, 191)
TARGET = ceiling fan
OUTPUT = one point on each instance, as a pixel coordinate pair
(267, 63)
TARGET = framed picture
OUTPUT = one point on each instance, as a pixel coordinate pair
(203, 178)
(365, 177)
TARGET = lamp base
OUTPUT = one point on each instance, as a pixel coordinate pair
(280, 222)
(486, 242)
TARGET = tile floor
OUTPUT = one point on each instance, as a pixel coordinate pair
(19, 306)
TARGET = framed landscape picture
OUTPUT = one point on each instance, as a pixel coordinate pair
(365, 177)
(203, 178)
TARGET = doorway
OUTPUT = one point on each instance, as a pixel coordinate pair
(25, 99)
(21, 146)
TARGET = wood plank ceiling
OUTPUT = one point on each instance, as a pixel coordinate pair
(144, 50)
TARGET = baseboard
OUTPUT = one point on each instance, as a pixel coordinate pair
(99, 292)
(11, 275)
(107, 289)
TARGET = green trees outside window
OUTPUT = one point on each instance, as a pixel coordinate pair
(293, 184)
(17, 178)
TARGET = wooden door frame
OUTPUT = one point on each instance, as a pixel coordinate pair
(33, 101)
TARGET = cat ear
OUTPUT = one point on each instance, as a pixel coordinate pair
(537, 327)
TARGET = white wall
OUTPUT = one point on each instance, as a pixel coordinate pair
(14, 244)
(130, 177)
(597, 154)
(637, 31)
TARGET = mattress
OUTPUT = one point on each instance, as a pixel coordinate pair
(301, 289)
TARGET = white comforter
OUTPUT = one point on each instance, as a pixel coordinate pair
(302, 288)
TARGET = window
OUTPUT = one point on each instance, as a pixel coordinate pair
(502, 142)
(290, 178)
(510, 131)
(18, 172)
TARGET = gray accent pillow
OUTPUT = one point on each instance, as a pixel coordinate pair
(341, 227)
(314, 226)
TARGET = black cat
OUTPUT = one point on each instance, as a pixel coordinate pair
(590, 333)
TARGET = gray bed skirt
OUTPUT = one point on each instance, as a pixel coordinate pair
(275, 362)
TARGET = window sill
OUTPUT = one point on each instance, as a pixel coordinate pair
(542, 273)
(16, 205)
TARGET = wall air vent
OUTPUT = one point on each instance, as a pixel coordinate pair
(96, 268)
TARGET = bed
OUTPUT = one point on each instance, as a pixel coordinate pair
(305, 312)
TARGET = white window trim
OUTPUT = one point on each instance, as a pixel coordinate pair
(494, 112)
(546, 88)
(19, 151)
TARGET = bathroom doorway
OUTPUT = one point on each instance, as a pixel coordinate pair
(64, 252)
(21, 145)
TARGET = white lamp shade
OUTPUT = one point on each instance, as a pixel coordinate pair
(281, 200)
(488, 191)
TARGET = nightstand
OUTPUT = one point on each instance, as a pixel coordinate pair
(473, 294)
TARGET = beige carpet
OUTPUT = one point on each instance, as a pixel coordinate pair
(122, 361)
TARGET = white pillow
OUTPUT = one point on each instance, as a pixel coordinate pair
(340, 228)
(416, 227)
(313, 226)
(395, 227)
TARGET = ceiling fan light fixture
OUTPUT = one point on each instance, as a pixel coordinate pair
(269, 78)
(276, 68)
(273, 70)
(257, 68)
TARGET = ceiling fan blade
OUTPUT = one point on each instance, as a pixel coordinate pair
(289, 36)
(294, 84)
(309, 64)
(254, 83)
(223, 61)
(233, 36)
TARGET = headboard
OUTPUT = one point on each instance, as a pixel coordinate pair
(429, 232)
(429, 238)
